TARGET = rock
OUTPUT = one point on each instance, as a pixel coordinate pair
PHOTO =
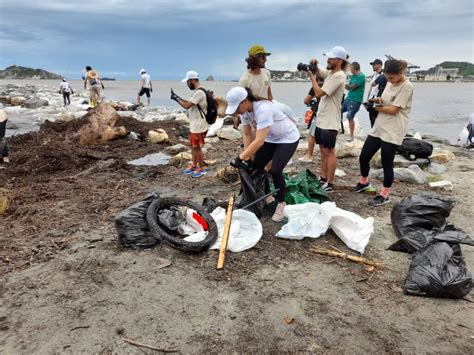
(413, 174)
(417, 135)
(175, 149)
(36, 103)
(5, 200)
(401, 162)
(5, 100)
(436, 168)
(66, 117)
(181, 117)
(442, 156)
(101, 127)
(350, 149)
(436, 139)
(302, 145)
(183, 131)
(212, 140)
(443, 184)
(340, 173)
(180, 158)
(17, 100)
(229, 133)
(158, 136)
(133, 136)
(3, 115)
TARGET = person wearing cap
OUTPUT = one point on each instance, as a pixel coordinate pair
(276, 139)
(92, 81)
(257, 78)
(197, 106)
(389, 129)
(377, 86)
(66, 90)
(351, 104)
(146, 87)
(329, 111)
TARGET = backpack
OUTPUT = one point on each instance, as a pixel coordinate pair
(412, 149)
(211, 114)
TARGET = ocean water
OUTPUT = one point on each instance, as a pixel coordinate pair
(438, 108)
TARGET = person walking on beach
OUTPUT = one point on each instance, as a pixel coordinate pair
(276, 138)
(92, 81)
(313, 102)
(197, 106)
(329, 111)
(3, 144)
(146, 87)
(377, 86)
(66, 90)
(351, 104)
(389, 129)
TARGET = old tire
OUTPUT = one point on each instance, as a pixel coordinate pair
(175, 241)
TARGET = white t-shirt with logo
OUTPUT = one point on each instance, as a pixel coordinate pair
(146, 81)
(266, 114)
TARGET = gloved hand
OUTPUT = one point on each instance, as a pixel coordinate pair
(238, 163)
(174, 96)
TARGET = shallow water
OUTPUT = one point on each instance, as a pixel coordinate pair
(152, 160)
(438, 108)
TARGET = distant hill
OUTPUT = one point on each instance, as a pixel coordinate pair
(465, 68)
(16, 72)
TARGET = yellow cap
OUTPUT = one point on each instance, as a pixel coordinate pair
(256, 50)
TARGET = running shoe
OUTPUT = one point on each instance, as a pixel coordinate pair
(379, 200)
(361, 187)
(199, 172)
(328, 187)
(189, 170)
(279, 216)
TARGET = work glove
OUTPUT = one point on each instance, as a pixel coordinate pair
(174, 96)
(238, 163)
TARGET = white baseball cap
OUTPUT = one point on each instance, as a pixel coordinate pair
(190, 75)
(142, 71)
(234, 97)
(338, 52)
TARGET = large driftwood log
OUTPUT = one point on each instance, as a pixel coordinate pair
(101, 127)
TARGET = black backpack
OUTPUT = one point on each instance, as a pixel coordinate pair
(211, 114)
(412, 149)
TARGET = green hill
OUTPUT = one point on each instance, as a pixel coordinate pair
(16, 72)
(465, 68)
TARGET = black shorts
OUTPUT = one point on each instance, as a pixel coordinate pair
(326, 137)
(144, 91)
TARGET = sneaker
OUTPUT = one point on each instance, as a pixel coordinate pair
(322, 180)
(269, 200)
(199, 172)
(379, 201)
(189, 170)
(361, 187)
(278, 216)
(305, 159)
(328, 187)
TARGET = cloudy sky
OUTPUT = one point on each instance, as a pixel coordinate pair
(118, 37)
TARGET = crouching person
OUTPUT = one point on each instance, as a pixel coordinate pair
(276, 138)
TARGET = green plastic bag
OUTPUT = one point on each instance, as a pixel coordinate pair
(304, 187)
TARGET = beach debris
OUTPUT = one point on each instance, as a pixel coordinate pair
(158, 136)
(175, 149)
(5, 200)
(35, 103)
(436, 168)
(133, 136)
(350, 149)
(228, 174)
(141, 345)
(289, 320)
(179, 159)
(334, 252)
(443, 184)
(101, 126)
(442, 156)
(229, 133)
(225, 236)
(18, 100)
(413, 174)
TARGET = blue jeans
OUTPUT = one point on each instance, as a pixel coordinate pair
(351, 107)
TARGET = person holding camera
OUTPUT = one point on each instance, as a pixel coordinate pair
(276, 139)
(329, 111)
(351, 104)
(389, 129)
(377, 86)
(197, 123)
(313, 103)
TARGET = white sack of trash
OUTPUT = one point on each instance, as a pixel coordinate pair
(313, 220)
(245, 230)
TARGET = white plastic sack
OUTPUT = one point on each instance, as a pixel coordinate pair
(245, 230)
(463, 138)
(313, 220)
(286, 110)
(212, 131)
(190, 226)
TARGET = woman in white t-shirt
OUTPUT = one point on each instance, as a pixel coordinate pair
(276, 138)
(389, 129)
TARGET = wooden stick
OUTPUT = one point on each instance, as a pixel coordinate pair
(136, 343)
(225, 236)
(342, 255)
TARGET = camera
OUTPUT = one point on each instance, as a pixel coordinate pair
(305, 67)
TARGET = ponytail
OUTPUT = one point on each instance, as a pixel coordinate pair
(251, 97)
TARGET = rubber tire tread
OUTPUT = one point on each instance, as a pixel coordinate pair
(174, 241)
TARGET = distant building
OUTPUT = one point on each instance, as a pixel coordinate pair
(440, 74)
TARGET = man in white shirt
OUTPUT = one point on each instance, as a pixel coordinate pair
(66, 90)
(146, 87)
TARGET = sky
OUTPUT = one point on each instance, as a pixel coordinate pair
(168, 38)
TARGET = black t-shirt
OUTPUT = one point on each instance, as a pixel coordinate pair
(381, 81)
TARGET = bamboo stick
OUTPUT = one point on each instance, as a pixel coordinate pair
(225, 236)
(342, 255)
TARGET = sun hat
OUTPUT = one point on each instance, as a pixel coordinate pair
(234, 97)
(142, 71)
(93, 74)
(337, 52)
(190, 75)
(256, 50)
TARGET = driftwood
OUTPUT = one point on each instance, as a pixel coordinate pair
(136, 343)
(339, 254)
(101, 126)
(225, 237)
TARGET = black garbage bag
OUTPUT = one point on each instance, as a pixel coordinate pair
(415, 217)
(132, 227)
(170, 218)
(209, 204)
(438, 270)
(253, 185)
(412, 149)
